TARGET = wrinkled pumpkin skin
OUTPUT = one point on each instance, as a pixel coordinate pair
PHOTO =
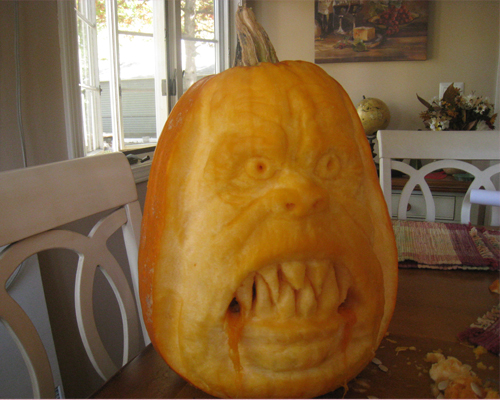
(268, 266)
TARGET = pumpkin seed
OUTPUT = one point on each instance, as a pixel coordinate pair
(476, 389)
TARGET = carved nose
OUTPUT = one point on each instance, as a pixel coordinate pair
(298, 196)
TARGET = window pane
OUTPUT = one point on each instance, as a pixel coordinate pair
(136, 57)
(135, 15)
(103, 59)
(107, 128)
(84, 52)
(85, 8)
(197, 19)
(90, 124)
(80, 6)
(137, 65)
(138, 107)
(87, 123)
(103, 53)
(198, 61)
(100, 14)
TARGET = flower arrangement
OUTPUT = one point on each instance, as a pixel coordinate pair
(455, 112)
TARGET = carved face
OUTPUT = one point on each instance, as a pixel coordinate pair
(260, 276)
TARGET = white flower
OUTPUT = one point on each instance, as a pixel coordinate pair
(464, 102)
(481, 108)
(439, 124)
(440, 115)
(469, 102)
(481, 126)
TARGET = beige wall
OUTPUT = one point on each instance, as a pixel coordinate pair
(463, 46)
(41, 102)
(10, 143)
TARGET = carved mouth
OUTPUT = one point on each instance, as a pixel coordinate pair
(290, 289)
(268, 310)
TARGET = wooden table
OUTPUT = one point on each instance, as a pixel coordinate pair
(432, 308)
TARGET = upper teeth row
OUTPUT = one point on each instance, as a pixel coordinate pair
(290, 288)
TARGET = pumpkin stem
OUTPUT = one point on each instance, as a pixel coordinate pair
(253, 44)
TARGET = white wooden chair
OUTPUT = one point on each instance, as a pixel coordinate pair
(445, 149)
(34, 202)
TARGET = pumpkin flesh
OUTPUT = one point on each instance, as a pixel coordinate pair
(267, 264)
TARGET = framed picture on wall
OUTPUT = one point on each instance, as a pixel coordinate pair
(366, 30)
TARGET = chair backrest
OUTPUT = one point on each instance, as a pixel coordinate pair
(34, 203)
(445, 149)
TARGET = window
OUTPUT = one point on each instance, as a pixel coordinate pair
(136, 58)
(89, 75)
(201, 39)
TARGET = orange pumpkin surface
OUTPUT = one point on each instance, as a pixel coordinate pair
(268, 266)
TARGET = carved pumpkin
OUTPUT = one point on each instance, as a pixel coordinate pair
(268, 266)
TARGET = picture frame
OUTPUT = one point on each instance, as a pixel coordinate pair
(367, 30)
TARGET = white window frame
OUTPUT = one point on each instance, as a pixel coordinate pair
(94, 138)
(164, 74)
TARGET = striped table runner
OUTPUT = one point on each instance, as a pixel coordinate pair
(437, 245)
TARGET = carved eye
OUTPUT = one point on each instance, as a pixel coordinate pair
(327, 166)
(259, 168)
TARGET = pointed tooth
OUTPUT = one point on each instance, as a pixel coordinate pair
(306, 300)
(294, 272)
(316, 272)
(329, 299)
(286, 300)
(244, 294)
(344, 282)
(263, 304)
(270, 275)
